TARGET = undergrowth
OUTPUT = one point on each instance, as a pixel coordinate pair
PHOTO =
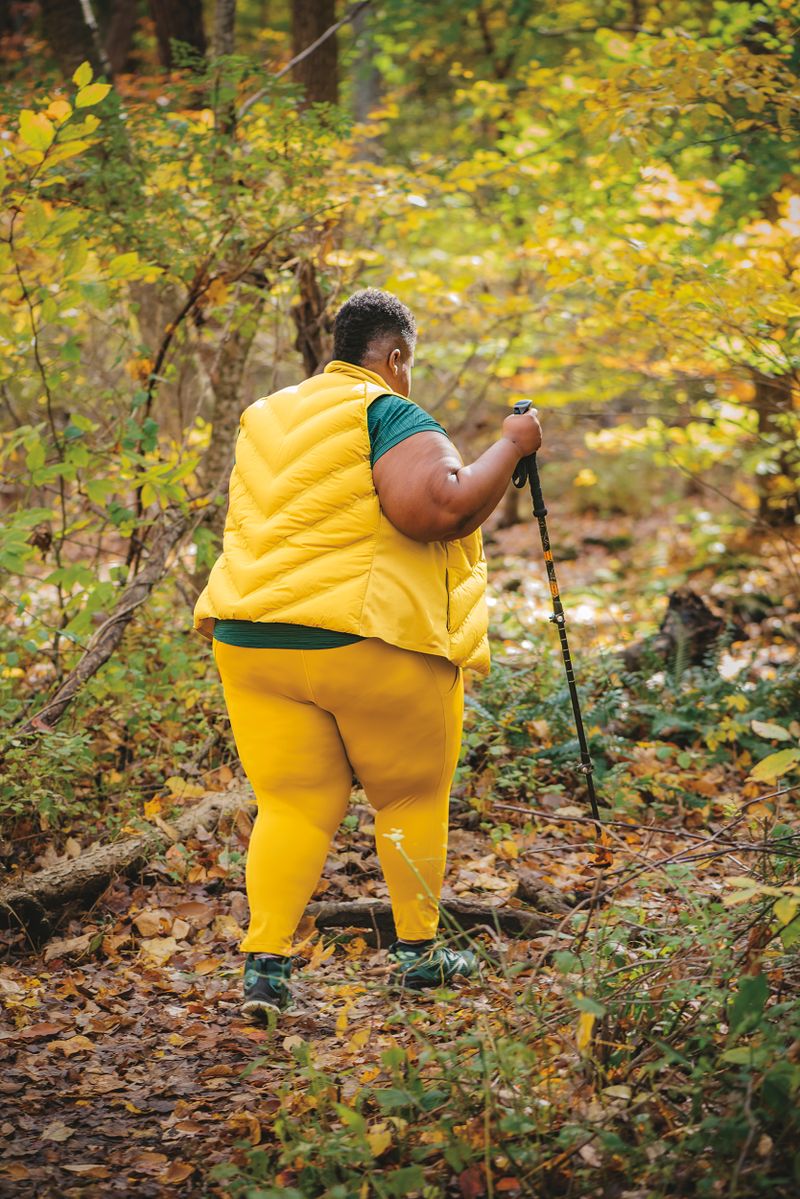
(658, 1043)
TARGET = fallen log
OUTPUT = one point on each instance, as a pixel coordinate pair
(35, 900)
(374, 917)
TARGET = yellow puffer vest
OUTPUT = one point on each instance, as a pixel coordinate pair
(306, 542)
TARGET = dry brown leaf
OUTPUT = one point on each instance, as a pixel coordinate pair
(68, 947)
(58, 1131)
(153, 921)
(71, 1046)
(176, 1172)
(159, 949)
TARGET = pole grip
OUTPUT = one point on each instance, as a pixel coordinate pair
(536, 487)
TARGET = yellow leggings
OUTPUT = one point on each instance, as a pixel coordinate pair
(303, 721)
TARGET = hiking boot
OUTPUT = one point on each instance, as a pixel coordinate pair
(430, 965)
(266, 986)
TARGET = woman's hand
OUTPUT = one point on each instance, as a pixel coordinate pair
(524, 431)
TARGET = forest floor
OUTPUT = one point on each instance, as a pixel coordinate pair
(128, 1068)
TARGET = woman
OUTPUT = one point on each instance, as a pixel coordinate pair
(349, 596)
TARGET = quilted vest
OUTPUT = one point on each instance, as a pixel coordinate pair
(306, 541)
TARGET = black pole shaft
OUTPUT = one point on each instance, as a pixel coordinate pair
(527, 470)
(559, 620)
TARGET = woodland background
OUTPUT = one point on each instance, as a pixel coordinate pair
(594, 206)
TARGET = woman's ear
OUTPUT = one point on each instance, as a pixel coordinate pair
(394, 362)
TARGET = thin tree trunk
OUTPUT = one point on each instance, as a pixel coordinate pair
(181, 20)
(319, 72)
(224, 27)
(119, 38)
(368, 85)
(226, 380)
(779, 494)
(309, 315)
(69, 37)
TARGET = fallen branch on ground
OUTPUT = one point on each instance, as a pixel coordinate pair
(374, 917)
(37, 899)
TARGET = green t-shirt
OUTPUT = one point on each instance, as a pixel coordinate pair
(390, 420)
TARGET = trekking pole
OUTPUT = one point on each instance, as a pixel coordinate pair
(527, 472)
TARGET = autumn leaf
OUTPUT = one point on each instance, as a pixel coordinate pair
(586, 1021)
(93, 93)
(35, 129)
(775, 765)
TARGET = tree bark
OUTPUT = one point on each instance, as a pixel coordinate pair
(68, 35)
(226, 380)
(688, 633)
(179, 19)
(368, 85)
(779, 494)
(309, 315)
(37, 900)
(224, 27)
(119, 38)
(319, 72)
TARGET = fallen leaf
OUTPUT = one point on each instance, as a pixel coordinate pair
(58, 1131)
(45, 1029)
(71, 1046)
(68, 947)
(152, 922)
(159, 949)
(90, 1170)
(176, 1172)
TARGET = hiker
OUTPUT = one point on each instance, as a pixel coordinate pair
(347, 600)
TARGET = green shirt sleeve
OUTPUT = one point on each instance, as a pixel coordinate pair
(391, 419)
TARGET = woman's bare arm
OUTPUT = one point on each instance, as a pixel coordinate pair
(429, 494)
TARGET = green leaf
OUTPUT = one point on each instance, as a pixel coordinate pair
(770, 732)
(775, 765)
(407, 1178)
(790, 935)
(83, 75)
(748, 1003)
(92, 94)
(35, 129)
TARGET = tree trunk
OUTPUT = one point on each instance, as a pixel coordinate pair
(119, 38)
(319, 72)
(179, 19)
(68, 35)
(313, 326)
(224, 26)
(226, 380)
(374, 918)
(779, 494)
(368, 85)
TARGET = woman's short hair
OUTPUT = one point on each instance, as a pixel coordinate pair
(366, 316)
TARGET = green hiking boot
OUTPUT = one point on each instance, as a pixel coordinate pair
(430, 965)
(266, 984)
